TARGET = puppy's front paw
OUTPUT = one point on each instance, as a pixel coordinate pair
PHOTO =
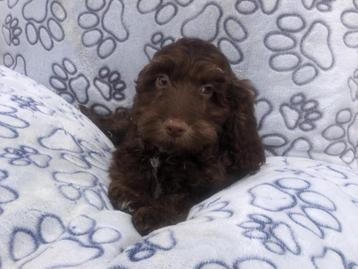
(126, 206)
(147, 219)
(123, 201)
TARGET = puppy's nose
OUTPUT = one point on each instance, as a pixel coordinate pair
(175, 127)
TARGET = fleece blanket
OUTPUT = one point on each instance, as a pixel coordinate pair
(301, 56)
(54, 212)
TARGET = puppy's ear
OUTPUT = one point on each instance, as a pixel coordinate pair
(241, 146)
(142, 78)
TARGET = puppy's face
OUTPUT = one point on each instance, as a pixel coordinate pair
(183, 97)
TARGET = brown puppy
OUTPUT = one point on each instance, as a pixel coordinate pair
(192, 123)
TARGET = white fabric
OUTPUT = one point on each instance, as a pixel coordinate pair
(300, 54)
(54, 213)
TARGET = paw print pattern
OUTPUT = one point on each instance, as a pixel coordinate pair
(276, 237)
(349, 20)
(210, 18)
(31, 247)
(246, 7)
(164, 11)
(11, 4)
(333, 258)
(263, 108)
(11, 30)
(43, 22)
(279, 145)
(98, 26)
(16, 62)
(7, 194)
(241, 263)
(353, 85)
(81, 185)
(313, 42)
(321, 5)
(327, 172)
(78, 152)
(212, 210)
(30, 104)
(158, 41)
(307, 208)
(352, 190)
(25, 156)
(109, 84)
(340, 135)
(300, 113)
(10, 122)
(153, 244)
(69, 83)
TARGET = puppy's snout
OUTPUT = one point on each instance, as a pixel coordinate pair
(175, 127)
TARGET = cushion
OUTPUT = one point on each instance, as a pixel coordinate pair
(301, 56)
(54, 211)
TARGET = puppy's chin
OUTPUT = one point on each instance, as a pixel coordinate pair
(186, 145)
(178, 147)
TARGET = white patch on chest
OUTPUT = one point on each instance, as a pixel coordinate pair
(155, 163)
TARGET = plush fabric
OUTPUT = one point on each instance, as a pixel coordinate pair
(300, 54)
(54, 212)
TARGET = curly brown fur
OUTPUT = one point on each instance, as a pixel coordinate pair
(192, 123)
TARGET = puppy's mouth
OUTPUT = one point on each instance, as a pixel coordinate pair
(174, 145)
(177, 137)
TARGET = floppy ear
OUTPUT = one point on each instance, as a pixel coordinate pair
(241, 146)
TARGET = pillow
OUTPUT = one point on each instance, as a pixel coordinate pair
(301, 56)
(55, 213)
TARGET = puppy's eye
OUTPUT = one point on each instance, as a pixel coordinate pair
(207, 90)
(162, 81)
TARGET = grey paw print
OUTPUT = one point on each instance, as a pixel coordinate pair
(349, 20)
(11, 3)
(294, 196)
(279, 145)
(212, 210)
(164, 11)
(277, 237)
(69, 82)
(43, 22)
(28, 103)
(16, 62)
(110, 84)
(25, 156)
(300, 113)
(353, 85)
(77, 151)
(100, 31)
(313, 42)
(158, 41)
(333, 258)
(210, 19)
(82, 187)
(11, 30)
(7, 194)
(82, 234)
(153, 244)
(340, 135)
(240, 263)
(251, 6)
(321, 5)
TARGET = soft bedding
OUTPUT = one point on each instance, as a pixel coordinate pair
(54, 211)
(301, 56)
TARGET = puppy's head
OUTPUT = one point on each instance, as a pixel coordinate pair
(189, 99)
